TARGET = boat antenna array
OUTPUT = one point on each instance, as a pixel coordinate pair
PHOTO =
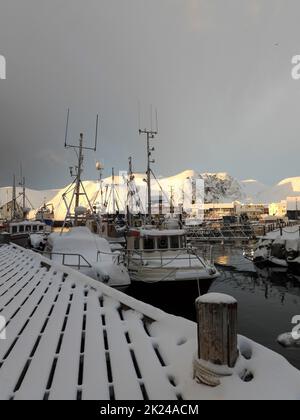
(150, 135)
(76, 173)
(81, 136)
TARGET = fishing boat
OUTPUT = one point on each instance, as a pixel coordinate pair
(90, 254)
(279, 248)
(155, 255)
(21, 231)
(46, 214)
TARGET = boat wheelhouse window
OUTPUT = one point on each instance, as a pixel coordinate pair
(21, 228)
(28, 228)
(41, 227)
(34, 228)
(162, 242)
(149, 243)
(14, 229)
(174, 242)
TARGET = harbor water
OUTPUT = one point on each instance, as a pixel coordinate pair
(268, 298)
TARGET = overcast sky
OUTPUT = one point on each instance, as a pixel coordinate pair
(218, 71)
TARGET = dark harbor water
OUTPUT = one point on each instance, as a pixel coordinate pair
(268, 299)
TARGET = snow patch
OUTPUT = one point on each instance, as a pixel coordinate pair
(217, 298)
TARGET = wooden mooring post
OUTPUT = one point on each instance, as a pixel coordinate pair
(217, 337)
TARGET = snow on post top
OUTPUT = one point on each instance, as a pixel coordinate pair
(217, 298)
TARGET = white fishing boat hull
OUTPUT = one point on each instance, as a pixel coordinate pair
(181, 269)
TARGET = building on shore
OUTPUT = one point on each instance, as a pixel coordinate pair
(253, 212)
(234, 209)
(220, 210)
(278, 210)
(293, 208)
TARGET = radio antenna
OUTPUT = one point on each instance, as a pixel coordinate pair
(76, 172)
(150, 135)
(139, 114)
(67, 127)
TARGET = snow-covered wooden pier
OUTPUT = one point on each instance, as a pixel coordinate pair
(70, 337)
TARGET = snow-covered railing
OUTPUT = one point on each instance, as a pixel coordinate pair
(82, 262)
(165, 259)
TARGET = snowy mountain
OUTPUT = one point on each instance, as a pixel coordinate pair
(34, 198)
(221, 187)
(218, 187)
(289, 187)
(256, 192)
(252, 189)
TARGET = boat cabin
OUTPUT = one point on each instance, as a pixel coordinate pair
(26, 227)
(156, 240)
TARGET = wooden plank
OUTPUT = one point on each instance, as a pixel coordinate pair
(11, 266)
(19, 287)
(16, 324)
(125, 381)
(13, 368)
(36, 380)
(95, 378)
(65, 381)
(154, 376)
(12, 277)
(16, 296)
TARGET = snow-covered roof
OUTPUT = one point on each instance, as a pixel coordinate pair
(289, 232)
(70, 337)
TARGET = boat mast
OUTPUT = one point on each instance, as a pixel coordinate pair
(77, 185)
(172, 210)
(129, 192)
(78, 177)
(113, 191)
(24, 194)
(150, 135)
(23, 185)
(100, 169)
(14, 199)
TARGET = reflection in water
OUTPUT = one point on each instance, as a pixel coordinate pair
(222, 260)
(274, 285)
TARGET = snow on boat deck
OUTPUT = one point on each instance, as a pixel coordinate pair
(70, 337)
(289, 232)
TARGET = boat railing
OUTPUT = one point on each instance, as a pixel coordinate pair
(82, 262)
(117, 257)
(144, 256)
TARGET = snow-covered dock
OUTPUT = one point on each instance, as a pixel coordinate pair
(71, 337)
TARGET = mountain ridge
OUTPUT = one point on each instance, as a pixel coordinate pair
(218, 187)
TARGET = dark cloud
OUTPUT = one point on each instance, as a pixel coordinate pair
(218, 71)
